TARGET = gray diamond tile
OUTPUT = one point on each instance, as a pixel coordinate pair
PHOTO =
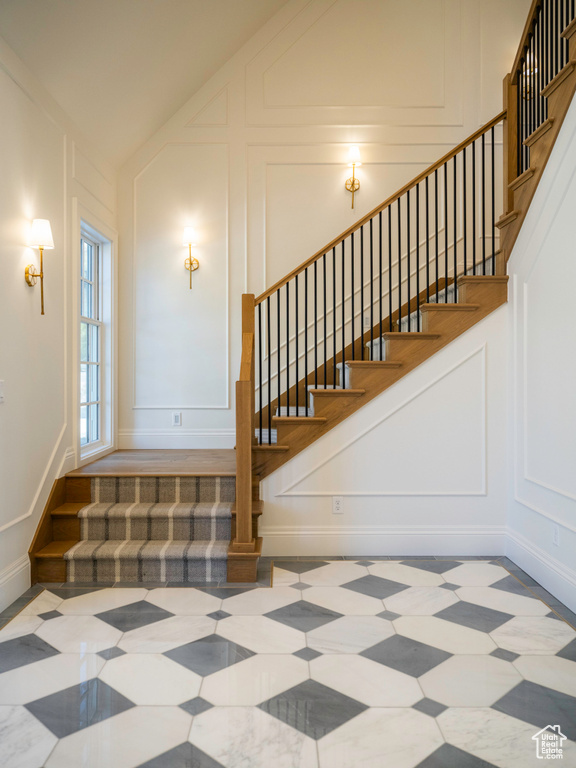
(474, 616)
(183, 756)
(307, 654)
(531, 702)
(196, 706)
(49, 615)
(313, 709)
(364, 562)
(448, 756)
(374, 586)
(430, 707)
(219, 615)
(224, 592)
(23, 650)
(511, 584)
(209, 654)
(453, 587)
(388, 615)
(553, 615)
(544, 595)
(134, 616)
(301, 586)
(406, 655)
(65, 592)
(111, 653)
(568, 652)
(501, 653)
(299, 566)
(303, 615)
(434, 566)
(78, 707)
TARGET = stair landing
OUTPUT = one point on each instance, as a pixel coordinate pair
(219, 462)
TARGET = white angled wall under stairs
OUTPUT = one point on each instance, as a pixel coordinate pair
(421, 469)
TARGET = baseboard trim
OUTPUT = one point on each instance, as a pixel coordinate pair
(383, 540)
(14, 581)
(176, 438)
(556, 577)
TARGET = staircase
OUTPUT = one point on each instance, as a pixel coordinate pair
(381, 298)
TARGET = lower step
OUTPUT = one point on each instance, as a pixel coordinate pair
(145, 561)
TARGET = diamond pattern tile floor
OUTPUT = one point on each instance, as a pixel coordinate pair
(375, 667)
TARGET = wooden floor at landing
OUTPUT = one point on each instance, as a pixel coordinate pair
(175, 463)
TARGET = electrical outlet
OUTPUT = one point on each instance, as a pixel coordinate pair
(176, 419)
(337, 505)
(556, 535)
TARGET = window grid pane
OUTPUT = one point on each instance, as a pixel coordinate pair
(90, 341)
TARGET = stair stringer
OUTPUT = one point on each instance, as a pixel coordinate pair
(484, 293)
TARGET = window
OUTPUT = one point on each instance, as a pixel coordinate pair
(91, 342)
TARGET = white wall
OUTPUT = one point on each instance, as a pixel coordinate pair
(256, 160)
(422, 468)
(47, 172)
(542, 405)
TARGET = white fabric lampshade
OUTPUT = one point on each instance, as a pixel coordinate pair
(354, 156)
(189, 236)
(41, 234)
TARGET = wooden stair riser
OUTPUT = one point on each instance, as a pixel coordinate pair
(488, 294)
(448, 322)
(332, 403)
(561, 94)
(287, 434)
(407, 350)
(365, 378)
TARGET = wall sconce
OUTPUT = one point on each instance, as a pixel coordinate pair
(188, 239)
(41, 238)
(529, 72)
(353, 184)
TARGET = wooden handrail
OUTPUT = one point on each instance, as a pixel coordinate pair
(247, 357)
(392, 199)
(530, 21)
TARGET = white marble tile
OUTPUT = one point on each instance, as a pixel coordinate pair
(350, 634)
(254, 680)
(184, 602)
(401, 738)
(45, 602)
(549, 671)
(470, 681)
(405, 574)
(246, 737)
(261, 635)
(283, 578)
(42, 678)
(19, 626)
(24, 741)
(151, 679)
(100, 601)
(334, 574)
(498, 600)
(344, 601)
(446, 635)
(255, 602)
(492, 736)
(162, 636)
(475, 574)
(533, 635)
(124, 741)
(367, 681)
(420, 601)
(78, 634)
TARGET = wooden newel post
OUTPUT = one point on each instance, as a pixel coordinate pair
(510, 139)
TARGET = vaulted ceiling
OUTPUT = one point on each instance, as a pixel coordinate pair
(121, 68)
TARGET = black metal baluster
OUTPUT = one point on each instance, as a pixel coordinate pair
(334, 319)
(343, 314)
(492, 180)
(446, 232)
(297, 334)
(483, 203)
(325, 318)
(380, 265)
(417, 257)
(399, 263)
(408, 271)
(269, 345)
(464, 211)
(389, 273)
(315, 325)
(306, 341)
(362, 292)
(427, 241)
(371, 283)
(437, 248)
(278, 359)
(519, 129)
(288, 349)
(352, 291)
(260, 374)
(455, 228)
(473, 207)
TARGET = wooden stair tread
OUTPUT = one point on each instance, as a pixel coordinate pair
(272, 447)
(492, 279)
(70, 509)
(540, 131)
(507, 218)
(522, 179)
(564, 73)
(337, 392)
(257, 508)
(449, 307)
(56, 549)
(410, 336)
(304, 420)
(373, 364)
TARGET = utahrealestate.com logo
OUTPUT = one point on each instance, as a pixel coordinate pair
(549, 743)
